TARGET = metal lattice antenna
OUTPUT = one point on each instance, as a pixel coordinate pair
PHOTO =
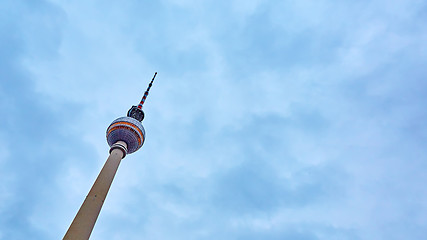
(146, 92)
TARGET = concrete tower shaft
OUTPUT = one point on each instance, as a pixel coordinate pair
(83, 223)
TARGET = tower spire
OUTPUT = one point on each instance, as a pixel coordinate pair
(146, 92)
(136, 111)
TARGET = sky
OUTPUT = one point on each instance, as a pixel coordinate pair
(301, 120)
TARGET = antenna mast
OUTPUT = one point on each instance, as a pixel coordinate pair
(146, 92)
(136, 111)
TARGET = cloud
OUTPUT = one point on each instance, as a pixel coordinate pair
(271, 120)
(35, 133)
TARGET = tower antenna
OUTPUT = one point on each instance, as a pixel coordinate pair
(136, 111)
(146, 92)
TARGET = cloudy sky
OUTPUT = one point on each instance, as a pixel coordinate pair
(268, 119)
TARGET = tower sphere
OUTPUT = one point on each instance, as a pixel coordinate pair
(128, 130)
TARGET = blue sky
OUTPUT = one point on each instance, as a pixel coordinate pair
(268, 119)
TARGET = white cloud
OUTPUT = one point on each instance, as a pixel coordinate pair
(291, 119)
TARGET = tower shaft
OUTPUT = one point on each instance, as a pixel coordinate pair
(83, 223)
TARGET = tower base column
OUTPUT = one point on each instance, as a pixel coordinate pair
(83, 223)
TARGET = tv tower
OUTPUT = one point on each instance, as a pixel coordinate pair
(125, 135)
